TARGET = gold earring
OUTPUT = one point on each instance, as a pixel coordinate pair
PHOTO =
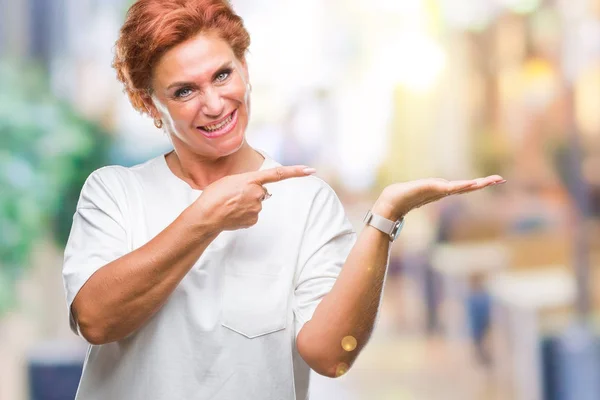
(158, 123)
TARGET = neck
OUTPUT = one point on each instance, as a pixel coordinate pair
(199, 172)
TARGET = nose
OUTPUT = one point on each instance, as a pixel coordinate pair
(213, 103)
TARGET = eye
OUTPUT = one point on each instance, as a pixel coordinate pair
(183, 92)
(223, 75)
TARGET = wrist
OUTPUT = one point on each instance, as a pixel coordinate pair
(386, 210)
(199, 222)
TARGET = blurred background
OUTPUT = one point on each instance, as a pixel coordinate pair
(488, 296)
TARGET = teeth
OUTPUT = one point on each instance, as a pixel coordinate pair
(211, 128)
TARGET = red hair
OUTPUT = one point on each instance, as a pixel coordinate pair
(152, 27)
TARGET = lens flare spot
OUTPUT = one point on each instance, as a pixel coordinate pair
(349, 343)
(341, 369)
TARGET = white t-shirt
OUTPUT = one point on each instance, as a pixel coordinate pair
(228, 330)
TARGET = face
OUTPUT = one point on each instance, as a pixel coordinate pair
(200, 91)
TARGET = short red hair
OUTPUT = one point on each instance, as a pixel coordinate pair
(152, 27)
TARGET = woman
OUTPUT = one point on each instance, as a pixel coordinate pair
(187, 282)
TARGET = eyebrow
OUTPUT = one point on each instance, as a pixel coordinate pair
(227, 64)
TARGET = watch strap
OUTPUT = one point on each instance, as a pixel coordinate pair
(389, 227)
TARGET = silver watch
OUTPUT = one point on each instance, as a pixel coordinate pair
(389, 227)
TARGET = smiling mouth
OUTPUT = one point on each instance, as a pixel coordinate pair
(221, 126)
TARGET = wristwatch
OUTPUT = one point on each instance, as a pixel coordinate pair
(389, 227)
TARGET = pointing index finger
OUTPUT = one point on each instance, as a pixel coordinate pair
(280, 173)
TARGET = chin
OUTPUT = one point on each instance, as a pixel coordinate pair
(223, 147)
(231, 146)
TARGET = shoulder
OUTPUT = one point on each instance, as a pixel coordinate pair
(112, 183)
(304, 187)
(103, 188)
(316, 187)
(310, 194)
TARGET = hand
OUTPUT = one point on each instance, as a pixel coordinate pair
(398, 199)
(235, 201)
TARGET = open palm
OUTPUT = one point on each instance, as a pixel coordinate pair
(398, 199)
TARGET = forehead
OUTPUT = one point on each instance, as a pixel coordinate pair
(196, 58)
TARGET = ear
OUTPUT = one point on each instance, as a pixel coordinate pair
(150, 107)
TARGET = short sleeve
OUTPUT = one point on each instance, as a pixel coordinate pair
(98, 236)
(326, 244)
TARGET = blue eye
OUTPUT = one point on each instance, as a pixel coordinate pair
(183, 92)
(223, 75)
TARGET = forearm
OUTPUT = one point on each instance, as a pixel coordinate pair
(122, 295)
(350, 309)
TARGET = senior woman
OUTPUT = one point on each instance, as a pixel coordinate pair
(186, 281)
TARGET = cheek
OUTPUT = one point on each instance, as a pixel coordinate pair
(235, 92)
(184, 111)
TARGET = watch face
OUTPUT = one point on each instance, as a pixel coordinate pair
(367, 217)
(397, 229)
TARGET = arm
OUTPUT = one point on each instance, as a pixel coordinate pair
(125, 293)
(350, 308)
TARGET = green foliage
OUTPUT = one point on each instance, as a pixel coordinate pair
(46, 153)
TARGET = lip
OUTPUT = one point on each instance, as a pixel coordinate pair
(223, 131)
(222, 119)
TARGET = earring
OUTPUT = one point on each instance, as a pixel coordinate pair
(158, 123)
(249, 87)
